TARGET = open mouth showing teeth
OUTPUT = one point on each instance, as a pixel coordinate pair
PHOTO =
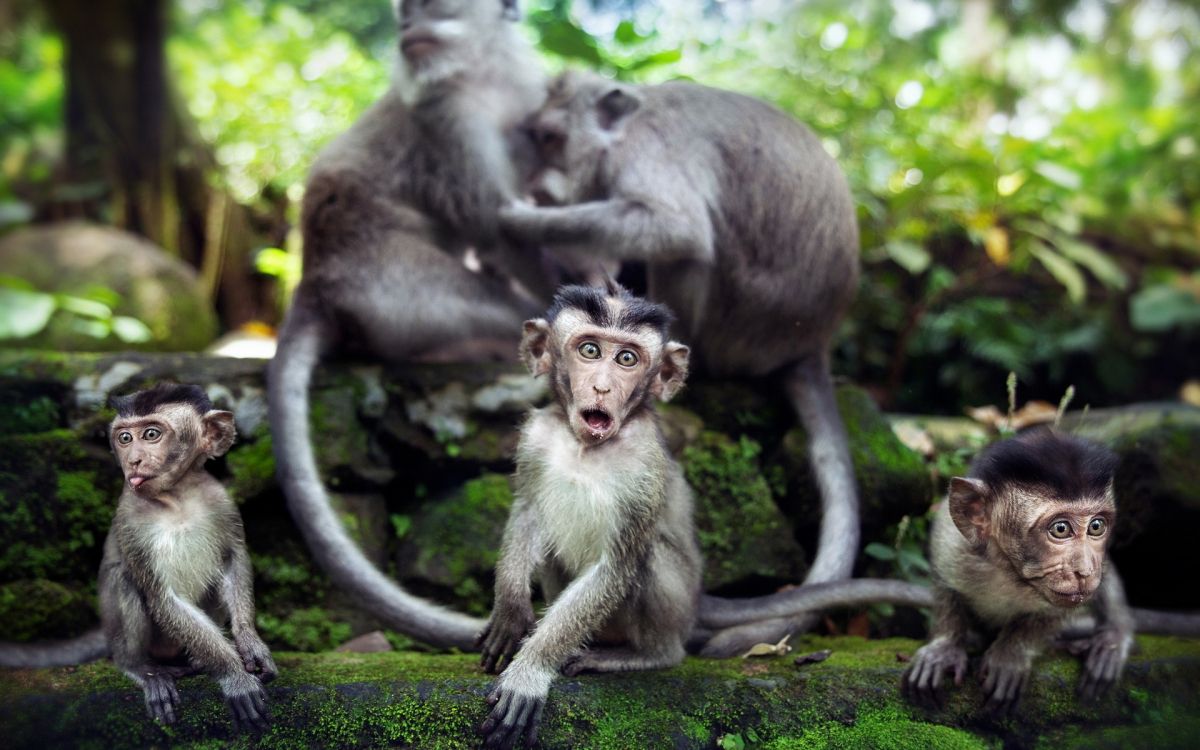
(597, 420)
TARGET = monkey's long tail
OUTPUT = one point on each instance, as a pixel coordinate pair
(90, 646)
(810, 388)
(716, 613)
(300, 348)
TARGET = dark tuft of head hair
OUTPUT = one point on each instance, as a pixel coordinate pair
(145, 403)
(592, 301)
(1069, 467)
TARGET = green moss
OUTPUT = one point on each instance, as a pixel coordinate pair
(334, 420)
(37, 609)
(457, 540)
(55, 507)
(251, 468)
(305, 629)
(882, 729)
(742, 532)
(24, 412)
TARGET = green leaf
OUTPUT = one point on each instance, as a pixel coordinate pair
(1101, 266)
(666, 57)
(1066, 272)
(1163, 307)
(880, 551)
(909, 255)
(131, 330)
(24, 313)
(1059, 175)
(84, 307)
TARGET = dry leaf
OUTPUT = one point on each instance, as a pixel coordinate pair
(1033, 412)
(914, 437)
(770, 649)
(903, 657)
(1190, 392)
(860, 625)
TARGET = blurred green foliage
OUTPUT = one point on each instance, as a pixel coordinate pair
(1028, 175)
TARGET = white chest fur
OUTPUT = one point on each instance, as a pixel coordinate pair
(581, 494)
(185, 553)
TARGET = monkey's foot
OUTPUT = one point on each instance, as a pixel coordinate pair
(256, 657)
(1005, 674)
(921, 683)
(502, 637)
(514, 716)
(247, 701)
(621, 659)
(162, 699)
(1107, 652)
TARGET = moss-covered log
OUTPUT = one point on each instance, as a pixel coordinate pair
(436, 701)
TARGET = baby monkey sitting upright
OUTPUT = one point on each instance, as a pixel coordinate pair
(1017, 549)
(602, 515)
(175, 562)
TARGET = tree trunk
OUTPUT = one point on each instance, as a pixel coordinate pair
(134, 160)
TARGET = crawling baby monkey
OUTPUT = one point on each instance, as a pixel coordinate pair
(1018, 550)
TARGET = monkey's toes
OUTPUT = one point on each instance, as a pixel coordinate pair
(513, 718)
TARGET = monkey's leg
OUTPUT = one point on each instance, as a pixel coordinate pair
(237, 596)
(129, 632)
(1009, 660)
(946, 651)
(810, 388)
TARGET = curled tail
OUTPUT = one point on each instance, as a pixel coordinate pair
(1166, 623)
(301, 344)
(810, 389)
(716, 613)
(90, 646)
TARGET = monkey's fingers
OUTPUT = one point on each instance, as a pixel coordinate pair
(534, 724)
(249, 710)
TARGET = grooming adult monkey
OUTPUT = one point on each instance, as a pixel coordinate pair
(389, 208)
(748, 233)
(175, 563)
(1017, 549)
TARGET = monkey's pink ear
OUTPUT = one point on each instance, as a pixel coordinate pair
(535, 346)
(969, 500)
(673, 372)
(219, 432)
(615, 105)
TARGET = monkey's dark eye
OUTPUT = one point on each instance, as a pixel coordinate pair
(1060, 530)
(1097, 527)
(589, 350)
(124, 437)
(152, 433)
(548, 140)
(626, 358)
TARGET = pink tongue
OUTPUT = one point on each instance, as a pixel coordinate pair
(136, 481)
(597, 421)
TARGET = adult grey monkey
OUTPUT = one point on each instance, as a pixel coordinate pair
(748, 233)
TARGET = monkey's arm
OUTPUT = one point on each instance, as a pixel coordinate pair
(945, 652)
(206, 646)
(1007, 662)
(512, 612)
(520, 692)
(237, 595)
(1108, 648)
(637, 228)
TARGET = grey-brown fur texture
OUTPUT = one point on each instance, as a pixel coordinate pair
(389, 209)
(748, 232)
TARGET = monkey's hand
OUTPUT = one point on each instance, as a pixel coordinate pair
(517, 701)
(162, 699)
(1005, 673)
(502, 636)
(256, 657)
(921, 683)
(1107, 652)
(519, 219)
(246, 699)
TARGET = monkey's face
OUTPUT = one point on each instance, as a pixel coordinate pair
(157, 449)
(1058, 547)
(583, 118)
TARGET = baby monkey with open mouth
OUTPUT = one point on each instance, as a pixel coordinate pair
(602, 515)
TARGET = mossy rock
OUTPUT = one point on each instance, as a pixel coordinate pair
(57, 499)
(436, 701)
(892, 479)
(251, 466)
(742, 532)
(450, 546)
(131, 275)
(31, 610)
